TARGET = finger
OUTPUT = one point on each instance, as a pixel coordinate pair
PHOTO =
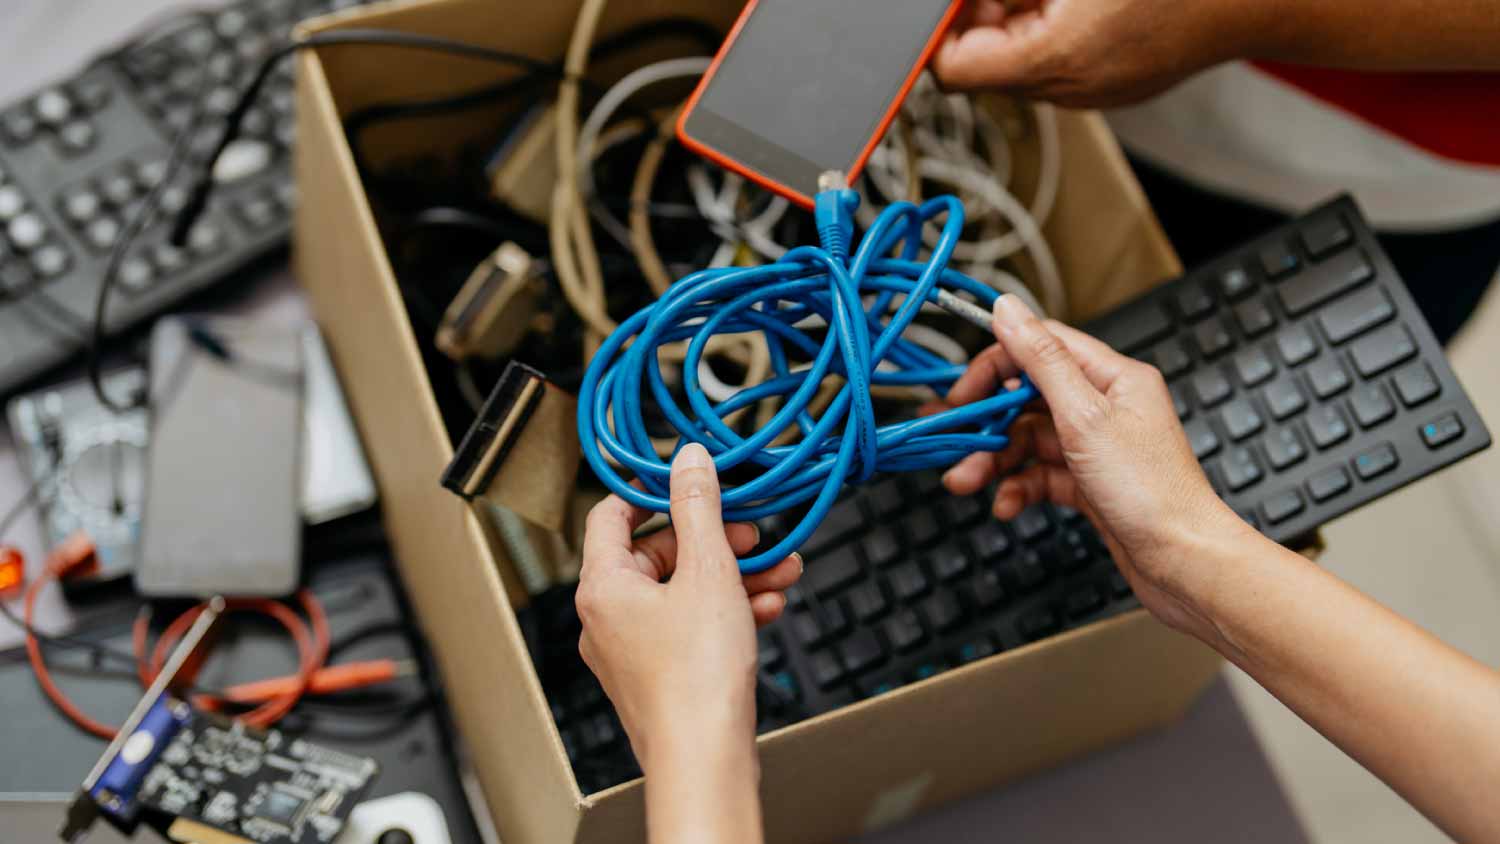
(1003, 53)
(767, 607)
(608, 529)
(970, 474)
(1032, 485)
(778, 578)
(1033, 436)
(697, 517)
(985, 374)
(1041, 355)
(1101, 364)
(657, 553)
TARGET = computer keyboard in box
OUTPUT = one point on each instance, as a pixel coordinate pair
(1308, 384)
(78, 157)
(1306, 379)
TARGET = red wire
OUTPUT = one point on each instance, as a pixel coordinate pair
(312, 652)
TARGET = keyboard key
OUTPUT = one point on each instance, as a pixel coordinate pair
(1327, 425)
(77, 137)
(1442, 430)
(819, 623)
(1375, 462)
(1284, 398)
(27, 232)
(1371, 405)
(986, 589)
(79, 206)
(844, 518)
(1026, 571)
(884, 498)
(1193, 301)
(1037, 623)
(829, 574)
(942, 611)
(1083, 601)
(862, 651)
(990, 541)
(1284, 448)
(1240, 419)
(904, 630)
(975, 650)
(867, 601)
(1119, 587)
(1235, 283)
(118, 189)
(1415, 384)
(1325, 282)
(1325, 235)
(920, 528)
(949, 562)
(1282, 506)
(149, 174)
(1211, 387)
(1328, 483)
(1277, 260)
(770, 653)
(52, 107)
(1171, 358)
(1202, 438)
(881, 548)
(1253, 366)
(90, 93)
(826, 669)
(1031, 524)
(135, 275)
(102, 232)
(1327, 378)
(1355, 314)
(962, 510)
(1254, 318)
(1212, 338)
(1241, 469)
(1377, 352)
(50, 261)
(1074, 551)
(1296, 345)
(907, 581)
(1135, 325)
(12, 203)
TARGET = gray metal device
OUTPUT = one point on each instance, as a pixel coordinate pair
(221, 512)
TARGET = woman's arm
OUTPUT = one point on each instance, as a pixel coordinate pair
(1114, 52)
(678, 658)
(1417, 713)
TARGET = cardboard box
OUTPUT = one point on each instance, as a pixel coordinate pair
(861, 767)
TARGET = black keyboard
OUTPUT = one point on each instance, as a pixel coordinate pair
(77, 158)
(1304, 375)
(1307, 381)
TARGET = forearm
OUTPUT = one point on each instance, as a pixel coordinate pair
(1395, 35)
(703, 788)
(1417, 713)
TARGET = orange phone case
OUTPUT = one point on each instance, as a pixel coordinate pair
(859, 163)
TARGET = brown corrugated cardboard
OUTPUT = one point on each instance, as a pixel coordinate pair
(836, 775)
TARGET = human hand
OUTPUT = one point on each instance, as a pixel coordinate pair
(678, 659)
(1107, 443)
(1094, 53)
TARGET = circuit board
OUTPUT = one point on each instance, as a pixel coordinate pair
(250, 785)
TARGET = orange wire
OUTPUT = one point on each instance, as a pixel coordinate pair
(312, 649)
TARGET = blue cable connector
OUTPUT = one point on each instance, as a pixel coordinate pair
(844, 444)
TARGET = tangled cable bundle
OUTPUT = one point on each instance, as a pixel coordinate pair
(862, 346)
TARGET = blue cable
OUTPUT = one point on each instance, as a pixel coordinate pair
(844, 444)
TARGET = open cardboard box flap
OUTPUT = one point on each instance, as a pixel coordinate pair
(962, 731)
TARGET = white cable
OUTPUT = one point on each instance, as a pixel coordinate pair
(719, 210)
(616, 96)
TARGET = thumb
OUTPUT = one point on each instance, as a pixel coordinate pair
(1043, 357)
(697, 516)
(988, 56)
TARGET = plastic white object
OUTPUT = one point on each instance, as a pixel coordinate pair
(418, 814)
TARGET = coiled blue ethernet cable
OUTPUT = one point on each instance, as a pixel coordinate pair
(842, 445)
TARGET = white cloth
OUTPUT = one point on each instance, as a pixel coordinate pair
(1239, 132)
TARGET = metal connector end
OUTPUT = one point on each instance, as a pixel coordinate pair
(833, 180)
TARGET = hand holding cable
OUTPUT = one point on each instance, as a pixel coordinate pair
(845, 443)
